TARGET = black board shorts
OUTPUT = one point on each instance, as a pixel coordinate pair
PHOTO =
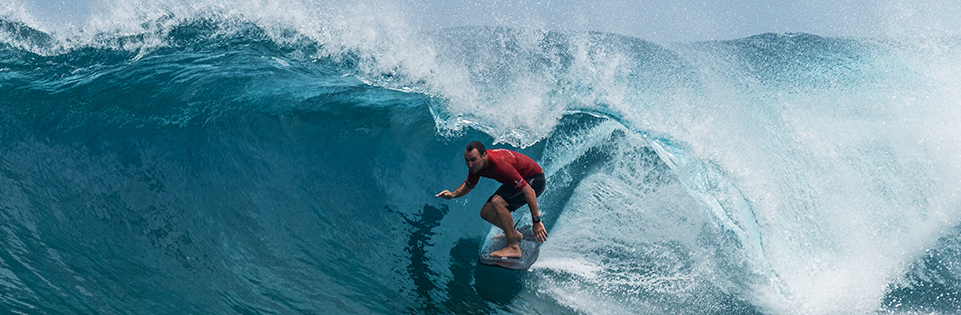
(515, 199)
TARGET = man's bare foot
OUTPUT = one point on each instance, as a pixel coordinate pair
(518, 235)
(511, 251)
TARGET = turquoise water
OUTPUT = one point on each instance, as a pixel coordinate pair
(207, 162)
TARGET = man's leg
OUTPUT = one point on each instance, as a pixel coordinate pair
(497, 214)
(489, 214)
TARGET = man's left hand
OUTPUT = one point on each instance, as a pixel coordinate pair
(540, 232)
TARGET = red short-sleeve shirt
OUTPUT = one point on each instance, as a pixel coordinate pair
(507, 167)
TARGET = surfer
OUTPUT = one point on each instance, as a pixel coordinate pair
(522, 179)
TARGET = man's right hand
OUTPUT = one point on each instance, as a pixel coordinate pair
(446, 194)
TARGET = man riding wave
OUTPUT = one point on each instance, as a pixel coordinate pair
(523, 181)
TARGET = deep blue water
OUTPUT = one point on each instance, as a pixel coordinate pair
(212, 164)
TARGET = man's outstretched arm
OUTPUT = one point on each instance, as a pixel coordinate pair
(463, 189)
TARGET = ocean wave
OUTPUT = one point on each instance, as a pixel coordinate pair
(274, 156)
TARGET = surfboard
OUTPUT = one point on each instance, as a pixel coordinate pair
(530, 247)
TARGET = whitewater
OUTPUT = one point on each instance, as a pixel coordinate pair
(262, 158)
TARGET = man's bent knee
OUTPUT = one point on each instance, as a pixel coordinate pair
(488, 212)
(498, 202)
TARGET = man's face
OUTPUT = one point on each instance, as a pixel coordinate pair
(475, 161)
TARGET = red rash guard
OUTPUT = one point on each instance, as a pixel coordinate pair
(507, 167)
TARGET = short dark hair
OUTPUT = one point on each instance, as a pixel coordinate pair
(476, 145)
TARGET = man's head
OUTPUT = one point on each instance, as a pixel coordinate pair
(476, 156)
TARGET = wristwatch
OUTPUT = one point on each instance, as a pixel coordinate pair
(536, 218)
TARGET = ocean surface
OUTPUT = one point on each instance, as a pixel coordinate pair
(206, 161)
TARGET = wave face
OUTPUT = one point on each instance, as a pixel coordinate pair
(217, 162)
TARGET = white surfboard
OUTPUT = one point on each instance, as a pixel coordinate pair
(530, 247)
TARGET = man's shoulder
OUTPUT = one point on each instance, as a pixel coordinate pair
(503, 152)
